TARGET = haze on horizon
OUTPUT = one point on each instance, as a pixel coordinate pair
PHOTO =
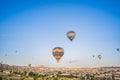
(29, 30)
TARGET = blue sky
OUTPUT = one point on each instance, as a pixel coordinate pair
(34, 28)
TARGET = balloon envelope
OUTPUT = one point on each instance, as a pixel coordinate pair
(118, 49)
(16, 51)
(71, 35)
(58, 52)
(99, 56)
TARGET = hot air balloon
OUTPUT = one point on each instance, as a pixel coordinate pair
(100, 56)
(29, 65)
(16, 51)
(71, 35)
(93, 56)
(118, 49)
(6, 54)
(58, 52)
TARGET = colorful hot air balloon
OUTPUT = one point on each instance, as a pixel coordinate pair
(71, 35)
(58, 52)
(100, 56)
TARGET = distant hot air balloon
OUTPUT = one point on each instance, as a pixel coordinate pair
(118, 49)
(29, 65)
(58, 52)
(71, 35)
(6, 54)
(100, 56)
(16, 51)
(93, 56)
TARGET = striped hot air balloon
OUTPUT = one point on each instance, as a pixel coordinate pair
(71, 35)
(58, 52)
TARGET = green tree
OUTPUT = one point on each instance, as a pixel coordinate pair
(55, 78)
(93, 78)
(82, 78)
(34, 75)
(22, 77)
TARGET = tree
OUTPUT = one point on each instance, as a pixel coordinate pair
(34, 75)
(55, 78)
(82, 78)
